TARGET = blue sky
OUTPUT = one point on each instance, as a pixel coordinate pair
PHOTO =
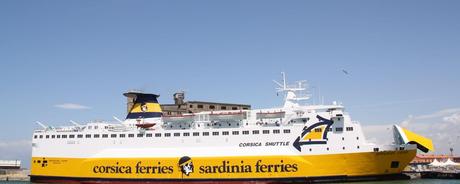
(403, 57)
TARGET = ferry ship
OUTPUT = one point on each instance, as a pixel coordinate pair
(290, 143)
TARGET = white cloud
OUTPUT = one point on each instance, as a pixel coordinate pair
(454, 118)
(441, 126)
(380, 134)
(437, 114)
(71, 106)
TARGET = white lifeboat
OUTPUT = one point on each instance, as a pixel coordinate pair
(270, 115)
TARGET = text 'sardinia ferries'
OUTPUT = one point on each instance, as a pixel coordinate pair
(290, 143)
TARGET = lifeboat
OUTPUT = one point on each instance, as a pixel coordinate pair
(179, 118)
(270, 115)
(145, 125)
(227, 115)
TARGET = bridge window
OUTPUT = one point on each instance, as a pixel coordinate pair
(80, 136)
(235, 133)
(105, 135)
(63, 136)
(148, 135)
(225, 133)
(276, 131)
(205, 133)
(245, 132)
(140, 135)
(122, 135)
(35, 136)
(53, 136)
(158, 135)
(167, 134)
(255, 132)
(95, 136)
(176, 134)
(130, 135)
(47, 136)
(58, 136)
(196, 133)
(339, 129)
(266, 131)
(71, 136)
(376, 149)
(215, 133)
(349, 129)
(286, 131)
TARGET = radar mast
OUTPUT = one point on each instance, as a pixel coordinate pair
(292, 93)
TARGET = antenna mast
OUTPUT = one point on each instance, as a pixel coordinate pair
(292, 92)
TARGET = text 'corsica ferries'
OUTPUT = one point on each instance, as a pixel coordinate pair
(290, 143)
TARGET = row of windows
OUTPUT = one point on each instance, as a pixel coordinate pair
(177, 134)
(201, 106)
(343, 148)
(337, 129)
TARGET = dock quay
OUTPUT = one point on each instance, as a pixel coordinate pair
(433, 174)
(14, 175)
(440, 175)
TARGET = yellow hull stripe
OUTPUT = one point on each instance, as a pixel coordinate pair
(238, 167)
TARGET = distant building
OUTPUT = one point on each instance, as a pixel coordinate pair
(426, 159)
(181, 107)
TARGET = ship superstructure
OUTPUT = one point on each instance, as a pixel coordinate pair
(292, 142)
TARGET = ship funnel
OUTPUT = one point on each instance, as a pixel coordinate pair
(142, 105)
